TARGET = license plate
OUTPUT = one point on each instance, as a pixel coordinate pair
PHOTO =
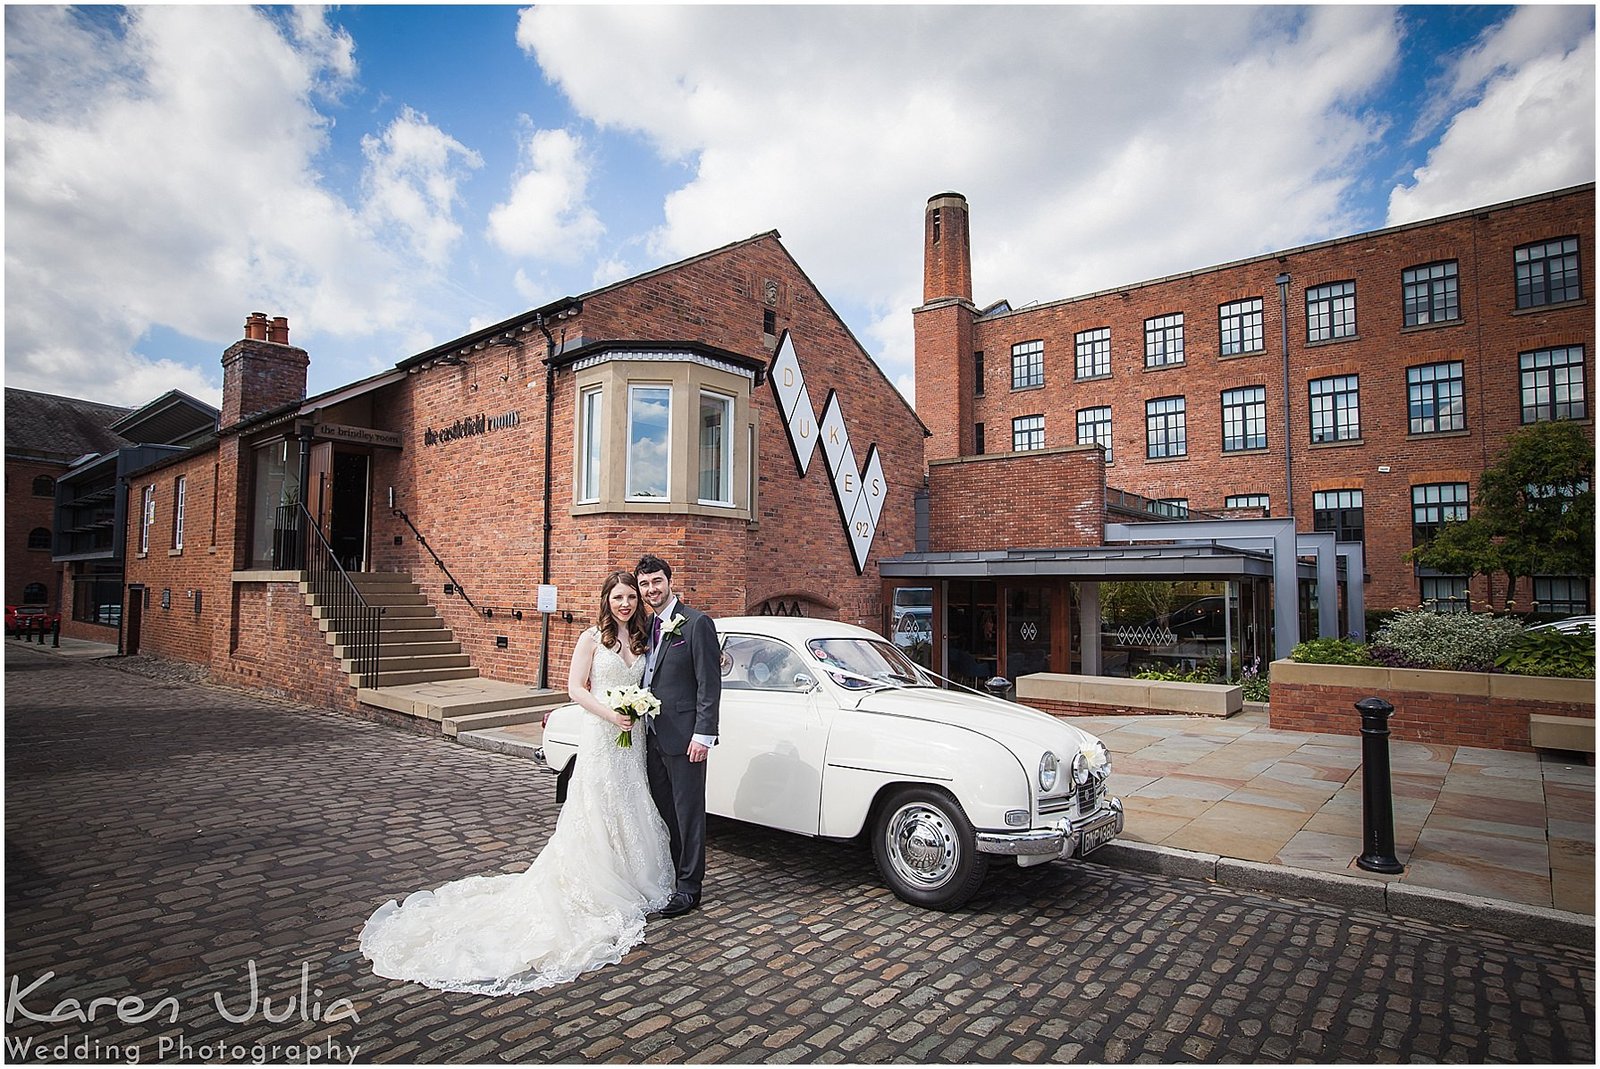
(1097, 836)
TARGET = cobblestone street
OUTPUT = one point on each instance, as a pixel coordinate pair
(168, 842)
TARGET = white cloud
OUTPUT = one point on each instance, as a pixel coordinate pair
(1096, 145)
(161, 171)
(413, 171)
(547, 214)
(1530, 123)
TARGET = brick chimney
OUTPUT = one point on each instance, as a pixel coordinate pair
(261, 371)
(946, 252)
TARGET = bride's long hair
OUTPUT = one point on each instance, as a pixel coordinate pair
(638, 637)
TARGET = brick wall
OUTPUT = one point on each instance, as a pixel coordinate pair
(24, 512)
(1487, 340)
(192, 625)
(1052, 497)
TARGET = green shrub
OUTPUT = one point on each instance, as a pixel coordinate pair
(1549, 653)
(1331, 651)
(1252, 679)
(1460, 641)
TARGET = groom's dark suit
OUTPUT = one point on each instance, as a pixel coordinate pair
(686, 676)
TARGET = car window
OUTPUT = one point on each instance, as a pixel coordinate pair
(751, 662)
(858, 663)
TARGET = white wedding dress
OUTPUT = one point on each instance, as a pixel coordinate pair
(579, 906)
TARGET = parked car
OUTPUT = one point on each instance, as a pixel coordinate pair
(21, 618)
(1570, 626)
(829, 730)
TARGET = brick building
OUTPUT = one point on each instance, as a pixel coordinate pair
(45, 435)
(1357, 386)
(541, 451)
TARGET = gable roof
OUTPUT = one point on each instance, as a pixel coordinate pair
(47, 426)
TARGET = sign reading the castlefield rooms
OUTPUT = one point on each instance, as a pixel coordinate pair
(860, 493)
(470, 426)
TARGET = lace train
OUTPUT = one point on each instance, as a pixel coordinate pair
(579, 906)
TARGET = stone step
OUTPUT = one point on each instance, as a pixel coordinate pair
(454, 697)
(322, 612)
(407, 662)
(387, 678)
(372, 597)
(405, 647)
(456, 723)
(377, 582)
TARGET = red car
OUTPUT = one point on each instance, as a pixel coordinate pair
(23, 618)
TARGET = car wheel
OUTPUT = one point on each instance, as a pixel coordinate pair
(926, 849)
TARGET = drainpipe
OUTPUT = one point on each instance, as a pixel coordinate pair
(1288, 427)
(549, 443)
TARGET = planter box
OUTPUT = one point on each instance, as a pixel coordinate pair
(1070, 695)
(1481, 709)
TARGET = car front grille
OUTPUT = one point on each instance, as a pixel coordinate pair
(1086, 797)
(1089, 795)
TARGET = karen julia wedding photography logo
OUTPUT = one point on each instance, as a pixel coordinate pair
(242, 1004)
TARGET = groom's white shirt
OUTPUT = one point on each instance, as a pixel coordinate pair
(666, 614)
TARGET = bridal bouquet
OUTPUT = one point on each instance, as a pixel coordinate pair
(634, 702)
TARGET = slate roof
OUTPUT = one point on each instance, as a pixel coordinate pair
(51, 427)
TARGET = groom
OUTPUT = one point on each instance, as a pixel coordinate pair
(683, 670)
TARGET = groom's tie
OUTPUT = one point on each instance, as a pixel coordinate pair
(655, 632)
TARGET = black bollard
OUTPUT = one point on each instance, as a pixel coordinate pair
(55, 634)
(1377, 800)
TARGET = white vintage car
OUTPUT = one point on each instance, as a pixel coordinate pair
(830, 730)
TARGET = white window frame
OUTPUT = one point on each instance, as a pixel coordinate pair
(591, 443)
(725, 468)
(629, 492)
(179, 493)
(147, 512)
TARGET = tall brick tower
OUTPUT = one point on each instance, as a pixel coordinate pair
(943, 329)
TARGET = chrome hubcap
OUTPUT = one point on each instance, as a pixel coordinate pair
(923, 849)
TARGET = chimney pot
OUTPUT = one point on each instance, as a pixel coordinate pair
(279, 331)
(255, 327)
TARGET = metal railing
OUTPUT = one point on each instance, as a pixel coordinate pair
(298, 544)
(454, 582)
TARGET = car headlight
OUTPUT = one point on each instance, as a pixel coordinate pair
(1093, 759)
(1049, 766)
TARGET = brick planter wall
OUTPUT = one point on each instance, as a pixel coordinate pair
(1450, 708)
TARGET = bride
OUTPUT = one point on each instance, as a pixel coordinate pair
(581, 904)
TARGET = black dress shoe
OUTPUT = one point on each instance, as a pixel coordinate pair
(679, 904)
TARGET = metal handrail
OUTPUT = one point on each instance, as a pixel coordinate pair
(442, 566)
(359, 624)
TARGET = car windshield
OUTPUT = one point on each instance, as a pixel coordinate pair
(860, 663)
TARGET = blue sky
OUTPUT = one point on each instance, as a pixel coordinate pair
(392, 177)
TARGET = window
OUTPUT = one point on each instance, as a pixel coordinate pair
(35, 594)
(1244, 419)
(1027, 364)
(590, 433)
(1027, 432)
(1561, 595)
(1341, 512)
(1444, 593)
(179, 492)
(769, 322)
(1094, 425)
(1431, 293)
(649, 442)
(1336, 409)
(1164, 431)
(1432, 506)
(1163, 340)
(977, 439)
(44, 486)
(1249, 501)
(1331, 311)
(1547, 273)
(274, 494)
(1176, 507)
(1093, 349)
(977, 373)
(39, 538)
(1239, 325)
(1553, 384)
(716, 453)
(147, 512)
(1435, 398)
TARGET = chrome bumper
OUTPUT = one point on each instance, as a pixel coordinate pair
(540, 762)
(1064, 840)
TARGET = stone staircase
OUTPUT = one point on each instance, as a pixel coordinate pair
(422, 671)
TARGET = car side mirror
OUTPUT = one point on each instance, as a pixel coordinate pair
(803, 681)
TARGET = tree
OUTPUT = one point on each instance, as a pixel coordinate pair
(1534, 512)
